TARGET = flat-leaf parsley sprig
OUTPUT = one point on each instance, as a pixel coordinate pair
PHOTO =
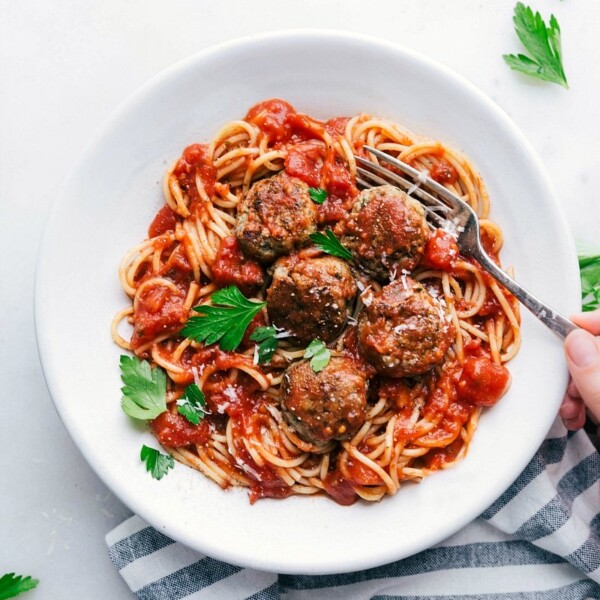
(319, 354)
(12, 585)
(328, 243)
(589, 267)
(317, 195)
(192, 404)
(144, 390)
(225, 320)
(157, 463)
(543, 44)
(267, 338)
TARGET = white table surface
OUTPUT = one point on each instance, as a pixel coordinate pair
(65, 64)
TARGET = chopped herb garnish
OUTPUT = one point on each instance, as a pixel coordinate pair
(157, 463)
(145, 389)
(329, 244)
(589, 266)
(12, 585)
(317, 195)
(225, 321)
(268, 343)
(542, 43)
(319, 354)
(191, 404)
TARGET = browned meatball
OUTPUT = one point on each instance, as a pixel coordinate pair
(403, 330)
(275, 218)
(386, 232)
(310, 297)
(324, 406)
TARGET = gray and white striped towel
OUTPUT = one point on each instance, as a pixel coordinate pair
(540, 540)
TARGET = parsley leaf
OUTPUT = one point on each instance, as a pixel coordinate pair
(145, 389)
(267, 345)
(157, 463)
(319, 354)
(225, 321)
(542, 42)
(317, 195)
(12, 585)
(589, 267)
(191, 404)
(329, 244)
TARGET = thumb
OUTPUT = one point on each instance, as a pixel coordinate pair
(583, 358)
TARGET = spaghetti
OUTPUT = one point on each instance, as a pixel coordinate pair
(412, 425)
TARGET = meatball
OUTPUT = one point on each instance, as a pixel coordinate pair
(310, 297)
(386, 231)
(324, 406)
(403, 330)
(275, 218)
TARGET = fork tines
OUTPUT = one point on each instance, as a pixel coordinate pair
(372, 174)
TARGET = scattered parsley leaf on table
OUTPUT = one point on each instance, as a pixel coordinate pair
(145, 389)
(319, 354)
(317, 195)
(329, 244)
(12, 585)
(589, 267)
(266, 336)
(225, 321)
(542, 43)
(191, 404)
(157, 463)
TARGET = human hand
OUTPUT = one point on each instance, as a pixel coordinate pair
(582, 350)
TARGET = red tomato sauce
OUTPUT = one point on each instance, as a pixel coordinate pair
(174, 430)
(491, 307)
(337, 126)
(443, 172)
(449, 427)
(437, 458)
(231, 267)
(270, 117)
(441, 396)
(360, 474)
(195, 162)
(351, 350)
(441, 251)
(305, 161)
(165, 220)
(339, 488)
(482, 382)
(160, 309)
(264, 481)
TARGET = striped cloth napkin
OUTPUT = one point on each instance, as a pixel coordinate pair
(540, 540)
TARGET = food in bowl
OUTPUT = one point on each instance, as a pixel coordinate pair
(314, 338)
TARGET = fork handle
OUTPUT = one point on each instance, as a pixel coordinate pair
(552, 319)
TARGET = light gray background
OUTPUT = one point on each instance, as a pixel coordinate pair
(65, 64)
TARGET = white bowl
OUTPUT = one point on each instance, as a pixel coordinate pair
(113, 194)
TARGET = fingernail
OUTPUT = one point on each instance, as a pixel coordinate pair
(572, 424)
(582, 348)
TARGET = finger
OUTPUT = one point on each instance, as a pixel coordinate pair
(572, 413)
(571, 408)
(572, 390)
(576, 423)
(588, 320)
(582, 350)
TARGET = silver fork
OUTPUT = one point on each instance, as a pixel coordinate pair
(445, 209)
